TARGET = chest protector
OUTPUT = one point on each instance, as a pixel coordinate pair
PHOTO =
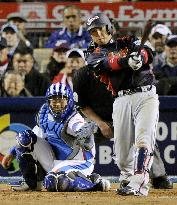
(64, 145)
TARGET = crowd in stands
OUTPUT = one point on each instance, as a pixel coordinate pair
(20, 73)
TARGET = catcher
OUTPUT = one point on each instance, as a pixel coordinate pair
(60, 150)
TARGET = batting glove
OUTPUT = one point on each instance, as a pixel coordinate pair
(135, 61)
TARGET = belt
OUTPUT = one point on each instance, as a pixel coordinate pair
(134, 90)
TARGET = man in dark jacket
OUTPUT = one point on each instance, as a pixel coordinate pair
(35, 81)
(166, 71)
(13, 85)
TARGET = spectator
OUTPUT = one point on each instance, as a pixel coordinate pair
(166, 74)
(58, 59)
(3, 56)
(73, 32)
(19, 20)
(10, 33)
(13, 85)
(75, 60)
(157, 38)
(35, 82)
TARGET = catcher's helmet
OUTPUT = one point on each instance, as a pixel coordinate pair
(99, 20)
(60, 90)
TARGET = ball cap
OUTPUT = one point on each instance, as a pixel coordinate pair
(171, 40)
(16, 15)
(9, 25)
(162, 29)
(75, 52)
(61, 45)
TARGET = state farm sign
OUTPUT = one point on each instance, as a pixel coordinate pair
(128, 13)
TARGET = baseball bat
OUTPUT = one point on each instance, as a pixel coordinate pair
(145, 35)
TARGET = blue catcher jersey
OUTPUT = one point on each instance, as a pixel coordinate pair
(64, 145)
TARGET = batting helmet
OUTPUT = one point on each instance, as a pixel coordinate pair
(99, 20)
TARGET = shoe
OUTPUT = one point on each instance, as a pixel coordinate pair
(94, 178)
(102, 185)
(123, 184)
(106, 185)
(128, 191)
(162, 182)
(22, 186)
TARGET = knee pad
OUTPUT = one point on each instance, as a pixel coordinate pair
(51, 182)
(72, 181)
(57, 182)
(79, 182)
(26, 139)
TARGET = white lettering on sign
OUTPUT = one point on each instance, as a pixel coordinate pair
(57, 13)
(167, 154)
(105, 156)
(162, 131)
(174, 131)
(130, 15)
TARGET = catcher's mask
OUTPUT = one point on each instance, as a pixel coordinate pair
(60, 100)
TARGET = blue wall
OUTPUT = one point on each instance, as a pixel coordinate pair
(21, 114)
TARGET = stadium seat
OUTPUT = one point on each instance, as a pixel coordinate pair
(42, 56)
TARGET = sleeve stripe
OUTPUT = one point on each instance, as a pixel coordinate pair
(113, 62)
(144, 53)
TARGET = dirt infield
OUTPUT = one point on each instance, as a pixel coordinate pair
(156, 197)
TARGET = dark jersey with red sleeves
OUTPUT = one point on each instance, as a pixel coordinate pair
(110, 63)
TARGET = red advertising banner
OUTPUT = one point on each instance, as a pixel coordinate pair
(128, 13)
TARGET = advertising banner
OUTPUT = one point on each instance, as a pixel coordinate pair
(130, 14)
(17, 114)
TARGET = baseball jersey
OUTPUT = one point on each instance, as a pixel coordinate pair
(63, 135)
(110, 64)
(93, 93)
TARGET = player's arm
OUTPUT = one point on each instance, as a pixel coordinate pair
(8, 158)
(136, 60)
(105, 128)
(103, 63)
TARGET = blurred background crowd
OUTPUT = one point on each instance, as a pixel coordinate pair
(30, 61)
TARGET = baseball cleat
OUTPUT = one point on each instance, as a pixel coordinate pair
(102, 185)
(94, 177)
(162, 182)
(123, 184)
(22, 186)
(128, 191)
(105, 184)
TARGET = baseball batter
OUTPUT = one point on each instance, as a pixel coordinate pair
(136, 107)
